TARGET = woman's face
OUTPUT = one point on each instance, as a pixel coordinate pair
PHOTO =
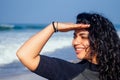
(81, 44)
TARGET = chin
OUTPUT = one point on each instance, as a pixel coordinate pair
(80, 57)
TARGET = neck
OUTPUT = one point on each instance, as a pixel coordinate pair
(94, 59)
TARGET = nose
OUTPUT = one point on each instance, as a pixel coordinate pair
(77, 41)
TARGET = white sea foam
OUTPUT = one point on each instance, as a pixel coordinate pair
(6, 26)
(10, 42)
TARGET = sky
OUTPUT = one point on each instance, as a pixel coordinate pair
(46, 11)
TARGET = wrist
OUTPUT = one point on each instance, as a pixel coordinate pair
(55, 26)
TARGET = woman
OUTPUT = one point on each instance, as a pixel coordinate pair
(95, 41)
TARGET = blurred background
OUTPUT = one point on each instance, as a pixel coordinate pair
(20, 19)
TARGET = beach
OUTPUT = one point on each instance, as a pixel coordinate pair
(23, 76)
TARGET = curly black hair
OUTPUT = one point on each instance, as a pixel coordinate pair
(105, 42)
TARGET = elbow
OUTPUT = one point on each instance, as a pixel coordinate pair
(29, 62)
(22, 58)
(17, 54)
(20, 55)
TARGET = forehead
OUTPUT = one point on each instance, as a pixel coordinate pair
(84, 31)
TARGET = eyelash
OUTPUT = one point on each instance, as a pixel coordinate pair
(83, 37)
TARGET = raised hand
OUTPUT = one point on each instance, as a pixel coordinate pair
(64, 27)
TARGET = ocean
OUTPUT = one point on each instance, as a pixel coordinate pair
(13, 36)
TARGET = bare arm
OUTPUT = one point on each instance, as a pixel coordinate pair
(28, 53)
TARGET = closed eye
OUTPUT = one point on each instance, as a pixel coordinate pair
(84, 37)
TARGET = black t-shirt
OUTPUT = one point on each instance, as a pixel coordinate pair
(57, 69)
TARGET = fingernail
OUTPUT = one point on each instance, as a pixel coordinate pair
(88, 25)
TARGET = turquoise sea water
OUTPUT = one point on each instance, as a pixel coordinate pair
(4, 27)
(13, 36)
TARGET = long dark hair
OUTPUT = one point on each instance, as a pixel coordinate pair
(105, 42)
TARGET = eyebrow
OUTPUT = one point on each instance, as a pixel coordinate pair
(82, 33)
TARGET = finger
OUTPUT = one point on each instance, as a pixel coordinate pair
(82, 25)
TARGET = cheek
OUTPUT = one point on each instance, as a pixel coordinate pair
(86, 44)
(88, 51)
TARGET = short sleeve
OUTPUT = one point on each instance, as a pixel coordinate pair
(57, 69)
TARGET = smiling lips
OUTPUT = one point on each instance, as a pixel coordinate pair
(79, 49)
